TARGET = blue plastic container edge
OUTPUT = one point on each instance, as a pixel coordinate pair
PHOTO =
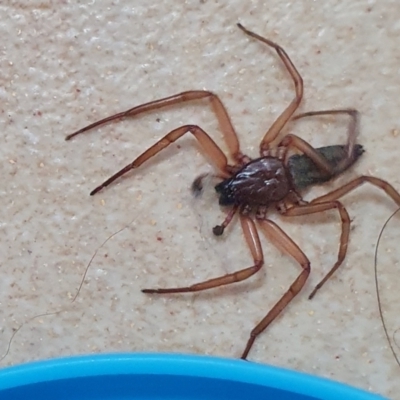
(178, 365)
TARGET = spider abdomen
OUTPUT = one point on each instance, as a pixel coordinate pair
(260, 182)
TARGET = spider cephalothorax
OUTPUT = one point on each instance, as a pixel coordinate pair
(260, 182)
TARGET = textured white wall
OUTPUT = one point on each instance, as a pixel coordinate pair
(64, 65)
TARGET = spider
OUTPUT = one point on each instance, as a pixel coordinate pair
(254, 187)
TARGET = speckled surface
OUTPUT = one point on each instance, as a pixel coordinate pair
(65, 65)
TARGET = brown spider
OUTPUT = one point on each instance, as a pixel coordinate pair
(252, 186)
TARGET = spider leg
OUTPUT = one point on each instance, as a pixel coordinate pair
(282, 241)
(344, 238)
(300, 144)
(338, 193)
(217, 106)
(210, 147)
(352, 131)
(218, 230)
(348, 187)
(253, 242)
(280, 122)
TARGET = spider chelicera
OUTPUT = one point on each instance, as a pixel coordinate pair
(252, 187)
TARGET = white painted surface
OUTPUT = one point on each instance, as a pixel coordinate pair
(65, 65)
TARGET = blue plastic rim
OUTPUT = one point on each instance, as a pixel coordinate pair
(165, 376)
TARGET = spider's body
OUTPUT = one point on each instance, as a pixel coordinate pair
(274, 179)
(260, 182)
(267, 180)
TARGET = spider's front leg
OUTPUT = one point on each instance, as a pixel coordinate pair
(217, 106)
(210, 147)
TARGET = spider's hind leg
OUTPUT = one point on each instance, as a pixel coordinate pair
(353, 151)
(313, 208)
